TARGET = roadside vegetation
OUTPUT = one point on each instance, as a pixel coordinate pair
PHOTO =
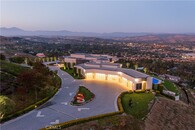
(17, 59)
(11, 68)
(71, 72)
(27, 87)
(116, 122)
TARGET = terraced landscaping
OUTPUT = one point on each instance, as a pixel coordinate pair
(170, 86)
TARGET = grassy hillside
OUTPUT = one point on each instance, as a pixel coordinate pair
(11, 68)
(9, 72)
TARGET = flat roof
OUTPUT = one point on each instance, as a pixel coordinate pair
(95, 63)
(130, 72)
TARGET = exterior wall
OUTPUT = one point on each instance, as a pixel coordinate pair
(70, 60)
(123, 79)
(78, 55)
(149, 83)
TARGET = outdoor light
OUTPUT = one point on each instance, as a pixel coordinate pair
(136, 80)
(120, 73)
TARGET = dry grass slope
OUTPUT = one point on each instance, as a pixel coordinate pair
(170, 115)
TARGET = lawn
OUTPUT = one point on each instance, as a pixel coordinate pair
(88, 95)
(170, 86)
(140, 103)
(71, 72)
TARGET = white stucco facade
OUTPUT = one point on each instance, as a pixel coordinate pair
(101, 67)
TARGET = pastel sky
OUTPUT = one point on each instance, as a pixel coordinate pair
(100, 16)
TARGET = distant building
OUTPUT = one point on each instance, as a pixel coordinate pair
(40, 55)
(79, 58)
(190, 56)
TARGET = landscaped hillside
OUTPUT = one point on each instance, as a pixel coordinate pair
(25, 87)
(9, 73)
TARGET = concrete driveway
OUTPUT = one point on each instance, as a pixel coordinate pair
(58, 109)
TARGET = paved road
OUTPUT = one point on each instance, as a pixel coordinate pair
(58, 109)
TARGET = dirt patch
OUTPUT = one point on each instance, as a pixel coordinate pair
(170, 115)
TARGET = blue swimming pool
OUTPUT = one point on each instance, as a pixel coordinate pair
(155, 81)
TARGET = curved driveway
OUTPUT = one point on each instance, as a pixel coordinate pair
(58, 109)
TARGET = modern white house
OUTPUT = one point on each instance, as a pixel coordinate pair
(79, 58)
(101, 67)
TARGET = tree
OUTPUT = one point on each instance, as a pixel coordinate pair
(26, 60)
(136, 66)
(51, 58)
(6, 106)
(64, 66)
(18, 60)
(130, 102)
(145, 70)
(128, 64)
(22, 91)
(2, 57)
(47, 59)
(27, 79)
(54, 58)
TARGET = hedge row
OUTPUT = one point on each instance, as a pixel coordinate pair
(140, 91)
(79, 121)
(29, 108)
(83, 120)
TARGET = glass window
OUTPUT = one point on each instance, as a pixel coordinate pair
(138, 86)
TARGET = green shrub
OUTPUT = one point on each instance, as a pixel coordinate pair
(140, 91)
(2, 57)
(160, 87)
(29, 108)
(157, 92)
(17, 59)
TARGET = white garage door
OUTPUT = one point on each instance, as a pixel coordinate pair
(124, 81)
(99, 76)
(89, 75)
(114, 78)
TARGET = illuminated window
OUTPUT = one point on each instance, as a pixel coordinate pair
(100, 76)
(124, 81)
(89, 75)
(113, 77)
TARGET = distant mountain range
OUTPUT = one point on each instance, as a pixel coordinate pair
(14, 31)
(119, 36)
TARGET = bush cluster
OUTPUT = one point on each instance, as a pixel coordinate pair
(29, 108)
(140, 91)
